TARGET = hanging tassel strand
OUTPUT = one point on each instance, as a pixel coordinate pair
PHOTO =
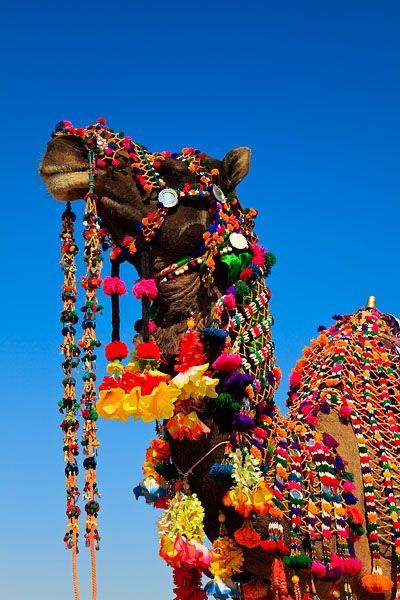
(68, 405)
(90, 282)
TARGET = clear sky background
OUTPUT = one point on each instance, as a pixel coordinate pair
(312, 87)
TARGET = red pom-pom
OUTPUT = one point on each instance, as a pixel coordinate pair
(101, 120)
(116, 350)
(148, 350)
(246, 275)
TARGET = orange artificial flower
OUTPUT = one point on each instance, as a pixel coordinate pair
(247, 536)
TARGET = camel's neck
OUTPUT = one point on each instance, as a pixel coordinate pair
(248, 324)
(177, 300)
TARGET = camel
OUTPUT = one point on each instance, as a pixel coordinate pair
(317, 395)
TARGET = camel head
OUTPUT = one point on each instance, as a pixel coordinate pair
(128, 180)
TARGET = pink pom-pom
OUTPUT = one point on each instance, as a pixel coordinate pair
(337, 563)
(113, 285)
(295, 379)
(305, 408)
(318, 569)
(226, 363)
(352, 566)
(145, 288)
(100, 163)
(260, 433)
(259, 255)
(115, 162)
(229, 301)
(345, 411)
(349, 486)
(152, 327)
(311, 419)
(257, 385)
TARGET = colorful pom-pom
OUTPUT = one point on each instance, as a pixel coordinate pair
(227, 363)
(116, 351)
(377, 584)
(148, 350)
(114, 285)
(145, 288)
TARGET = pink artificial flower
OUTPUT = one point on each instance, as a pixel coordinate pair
(145, 288)
(192, 554)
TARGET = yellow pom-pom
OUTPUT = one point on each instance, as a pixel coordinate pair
(191, 323)
(335, 594)
(221, 517)
(295, 579)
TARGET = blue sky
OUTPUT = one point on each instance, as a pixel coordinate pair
(312, 87)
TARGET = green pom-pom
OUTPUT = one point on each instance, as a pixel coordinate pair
(356, 529)
(270, 260)
(297, 561)
(226, 403)
(242, 288)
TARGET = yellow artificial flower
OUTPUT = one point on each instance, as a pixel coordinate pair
(262, 497)
(115, 368)
(110, 403)
(132, 404)
(194, 384)
(227, 558)
(160, 403)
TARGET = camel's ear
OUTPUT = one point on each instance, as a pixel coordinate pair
(236, 164)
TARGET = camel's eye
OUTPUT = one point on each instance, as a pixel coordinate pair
(174, 171)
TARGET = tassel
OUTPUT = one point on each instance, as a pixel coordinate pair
(296, 587)
(348, 592)
(278, 583)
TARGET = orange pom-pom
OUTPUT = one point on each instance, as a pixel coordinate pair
(377, 584)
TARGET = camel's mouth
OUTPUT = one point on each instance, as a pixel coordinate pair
(65, 183)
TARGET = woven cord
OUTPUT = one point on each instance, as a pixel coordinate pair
(75, 571)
